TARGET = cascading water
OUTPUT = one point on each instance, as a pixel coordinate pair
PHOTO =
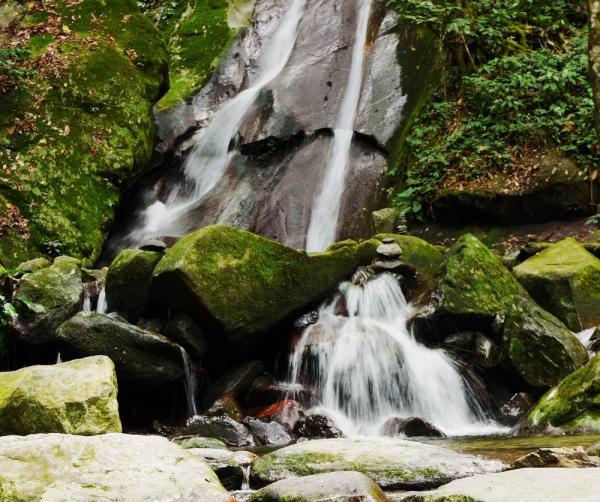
(191, 383)
(326, 207)
(102, 306)
(367, 367)
(212, 152)
(87, 298)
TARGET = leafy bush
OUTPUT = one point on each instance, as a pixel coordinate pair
(517, 82)
(12, 69)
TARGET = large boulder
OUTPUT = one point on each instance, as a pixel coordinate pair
(392, 463)
(328, 487)
(142, 358)
(46, 298)
(521, 484)
(75, 130)
(564, 279)
(77, 397)
(572, 406)
(128, 282)
(241, 284)
(538, 346)
(110, 467)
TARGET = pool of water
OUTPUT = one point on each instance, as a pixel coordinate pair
(508, 449)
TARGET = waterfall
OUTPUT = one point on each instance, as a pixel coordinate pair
(87, 298)
(326, 207)
(367, 367)
(102, 306)
(212, 150)
(190, 382)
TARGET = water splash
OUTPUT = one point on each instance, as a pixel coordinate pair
(367, 367)
(215, 144)
(326, 207)
(190, 382)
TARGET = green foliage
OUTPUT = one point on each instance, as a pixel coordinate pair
(516, 84)
(12, 69)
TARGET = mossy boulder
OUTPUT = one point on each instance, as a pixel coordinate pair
(564, 279)
(128, 282)
(142, 358)
(241, 285)
(394, 464)
(538, 346)
(46, 298)
(573, 406)
(77, 397)
(76, 129)
(109, 467)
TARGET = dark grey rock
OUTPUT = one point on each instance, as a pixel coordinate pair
(268, 433)
(226, 429)
(316, 426)
(235, 382)
(410, 427)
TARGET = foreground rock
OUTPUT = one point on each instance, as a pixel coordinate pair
(49, 297)
(393, 464)
(141, 357)
(522, 484)
(557, 457)
(111, 467)
(128, 282)
(231, 467)
(572, 406)
(329, 487)
(77, 397)
(565, 280)
(241, 284)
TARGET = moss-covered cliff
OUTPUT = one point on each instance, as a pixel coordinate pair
(77, 84)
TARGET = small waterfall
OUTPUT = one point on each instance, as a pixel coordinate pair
(246, 478)
(102, 306)
(326, 207)
(191, 383)
(212, 151)
(87, 298)
(367, 367)
(58, 358)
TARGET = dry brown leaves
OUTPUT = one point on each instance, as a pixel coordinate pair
(13, 219)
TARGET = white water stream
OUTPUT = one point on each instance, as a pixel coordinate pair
(212, 150)
(326, 207)
(190, 382)
(367, 367)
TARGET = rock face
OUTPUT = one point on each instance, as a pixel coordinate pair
(222, 427)
(142, 358)
(77, 397)
(565, 280)
(235, 382)
(241, 284)
(270, 184)
(111, 467)
(128, 282)
(572, 406)
(268, 433)
(82, 121)
(50, 296)
(409, 427)
(391, 463)
(329, 487)
(521, 484)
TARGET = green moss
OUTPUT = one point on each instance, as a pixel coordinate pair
(75, 132)
(564, 278)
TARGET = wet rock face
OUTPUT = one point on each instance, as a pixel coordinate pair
(515, 408)
(225, 428)
(315, 426)
(268, 433)
(410, 427)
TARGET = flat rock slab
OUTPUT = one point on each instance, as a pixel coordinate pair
(329, 487)
(531, 485)
(393, 464)
(110, 467)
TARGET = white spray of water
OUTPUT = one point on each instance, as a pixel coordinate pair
(212, 151)
(326, 207)
(190, 382)
(102, 306)
(368, 367)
